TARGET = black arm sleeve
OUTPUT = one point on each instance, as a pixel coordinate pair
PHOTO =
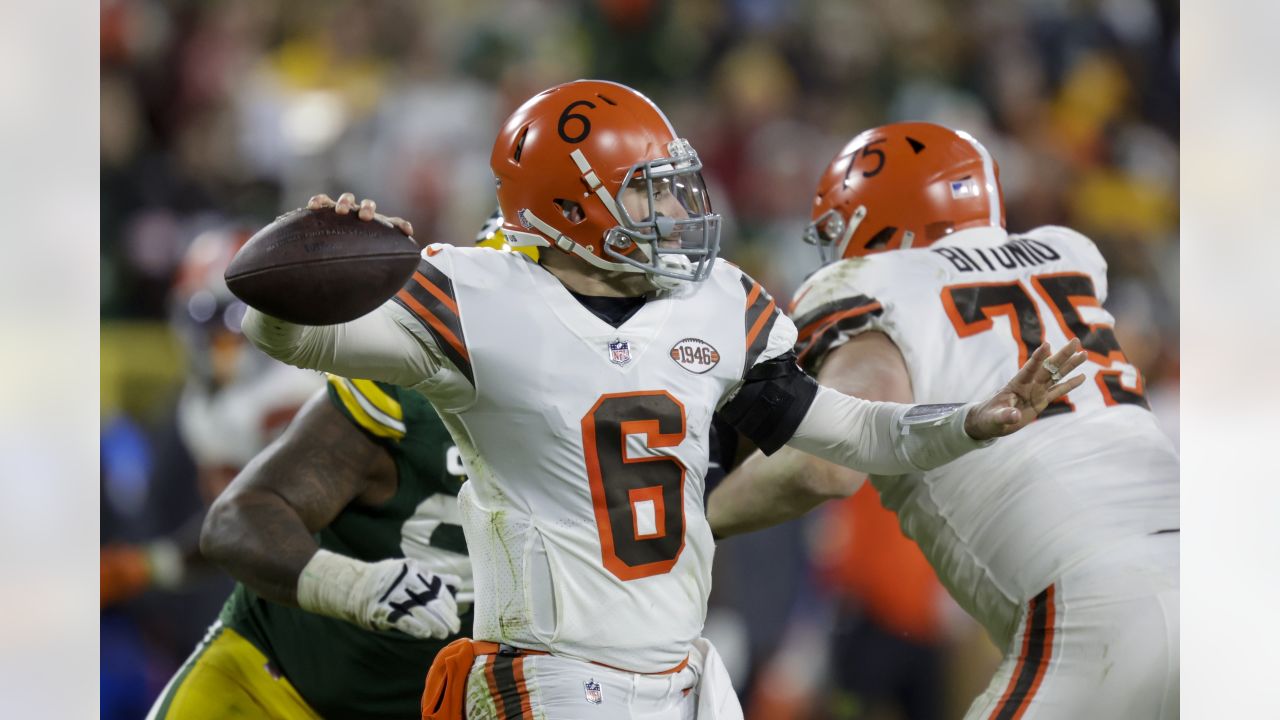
(774, 397)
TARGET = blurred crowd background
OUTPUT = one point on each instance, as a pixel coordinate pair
(218, 116)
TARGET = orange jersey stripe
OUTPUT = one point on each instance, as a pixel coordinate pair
(431, 288)
(760, 321)
(493, 686)
(1040, 655)
(1045, 658)
(522, 688)
(822, 322)
(751, 296)
(434, 322)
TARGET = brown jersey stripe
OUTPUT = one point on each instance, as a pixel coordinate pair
(444, 298)
(526, 705)
(450, 344)
(761, 313)
(815, 319)
(492, 683)
(1033, 661)
(758, 336)
(435, 291)
(512, 695)
(441, 312)
(811, 350)
(818, 329)
(757, 299)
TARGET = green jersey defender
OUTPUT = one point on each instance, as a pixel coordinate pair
(341, 670)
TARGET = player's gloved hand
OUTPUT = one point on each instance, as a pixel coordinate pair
(397, 593)
(416, 601)
(366, 209)
(1038, 383)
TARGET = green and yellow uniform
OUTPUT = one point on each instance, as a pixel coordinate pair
(262, 659)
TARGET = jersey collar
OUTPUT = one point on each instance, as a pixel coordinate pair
(982, 236)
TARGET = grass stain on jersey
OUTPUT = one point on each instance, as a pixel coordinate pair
(497, 526)
(834, 282)
(480, 702)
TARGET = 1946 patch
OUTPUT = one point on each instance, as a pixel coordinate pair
(696, 356)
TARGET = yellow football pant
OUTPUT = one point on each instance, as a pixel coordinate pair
(227, 677)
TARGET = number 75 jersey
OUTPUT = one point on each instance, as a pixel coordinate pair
(586, 447)
(1000, 524)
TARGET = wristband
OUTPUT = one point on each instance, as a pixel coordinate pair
(328, 584)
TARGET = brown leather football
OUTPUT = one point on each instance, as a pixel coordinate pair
(316, 267)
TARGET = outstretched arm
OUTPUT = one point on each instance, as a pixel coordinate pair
(260, 530)
(878, 438)
(768, 490)
(375, 346)
(893, 439)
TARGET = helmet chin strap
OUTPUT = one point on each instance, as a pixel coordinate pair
(859, 214)
(564, 243)
(592, 180)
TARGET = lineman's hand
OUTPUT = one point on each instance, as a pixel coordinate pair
(1034, 386)
(365, 210)
(405, 595)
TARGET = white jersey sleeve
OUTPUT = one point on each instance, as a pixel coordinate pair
(415, 339)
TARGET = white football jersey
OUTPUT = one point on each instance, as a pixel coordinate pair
(586, 446)
(999, 525)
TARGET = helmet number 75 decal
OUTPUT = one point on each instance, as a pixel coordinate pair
(864, 152)
(638, 500)
(568, 115)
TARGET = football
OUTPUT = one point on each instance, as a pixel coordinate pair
(316, 267)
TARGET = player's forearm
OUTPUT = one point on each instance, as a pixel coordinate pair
(767, 490)
(879, 438)
(259, 540)
(373, 347)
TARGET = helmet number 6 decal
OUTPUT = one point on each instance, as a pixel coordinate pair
(568, 115)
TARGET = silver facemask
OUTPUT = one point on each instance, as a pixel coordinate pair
(679, 249)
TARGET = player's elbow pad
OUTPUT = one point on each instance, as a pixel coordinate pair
(883, 438)
(770, 403)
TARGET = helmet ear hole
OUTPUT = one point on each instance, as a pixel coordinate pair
(520, 145)
(571, 210)
(881, 239)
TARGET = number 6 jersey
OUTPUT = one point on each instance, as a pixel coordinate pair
(966, 312)
(586, 446)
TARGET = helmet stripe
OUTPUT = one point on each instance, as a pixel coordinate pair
(652, 104)
(988, 177)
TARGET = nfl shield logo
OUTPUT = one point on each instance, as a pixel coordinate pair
(620, 352)
(592, 692)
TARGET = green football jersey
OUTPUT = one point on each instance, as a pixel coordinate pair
(341, 670)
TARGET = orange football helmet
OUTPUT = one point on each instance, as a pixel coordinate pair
(563, 162)
(203, 312)
(903, 185)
